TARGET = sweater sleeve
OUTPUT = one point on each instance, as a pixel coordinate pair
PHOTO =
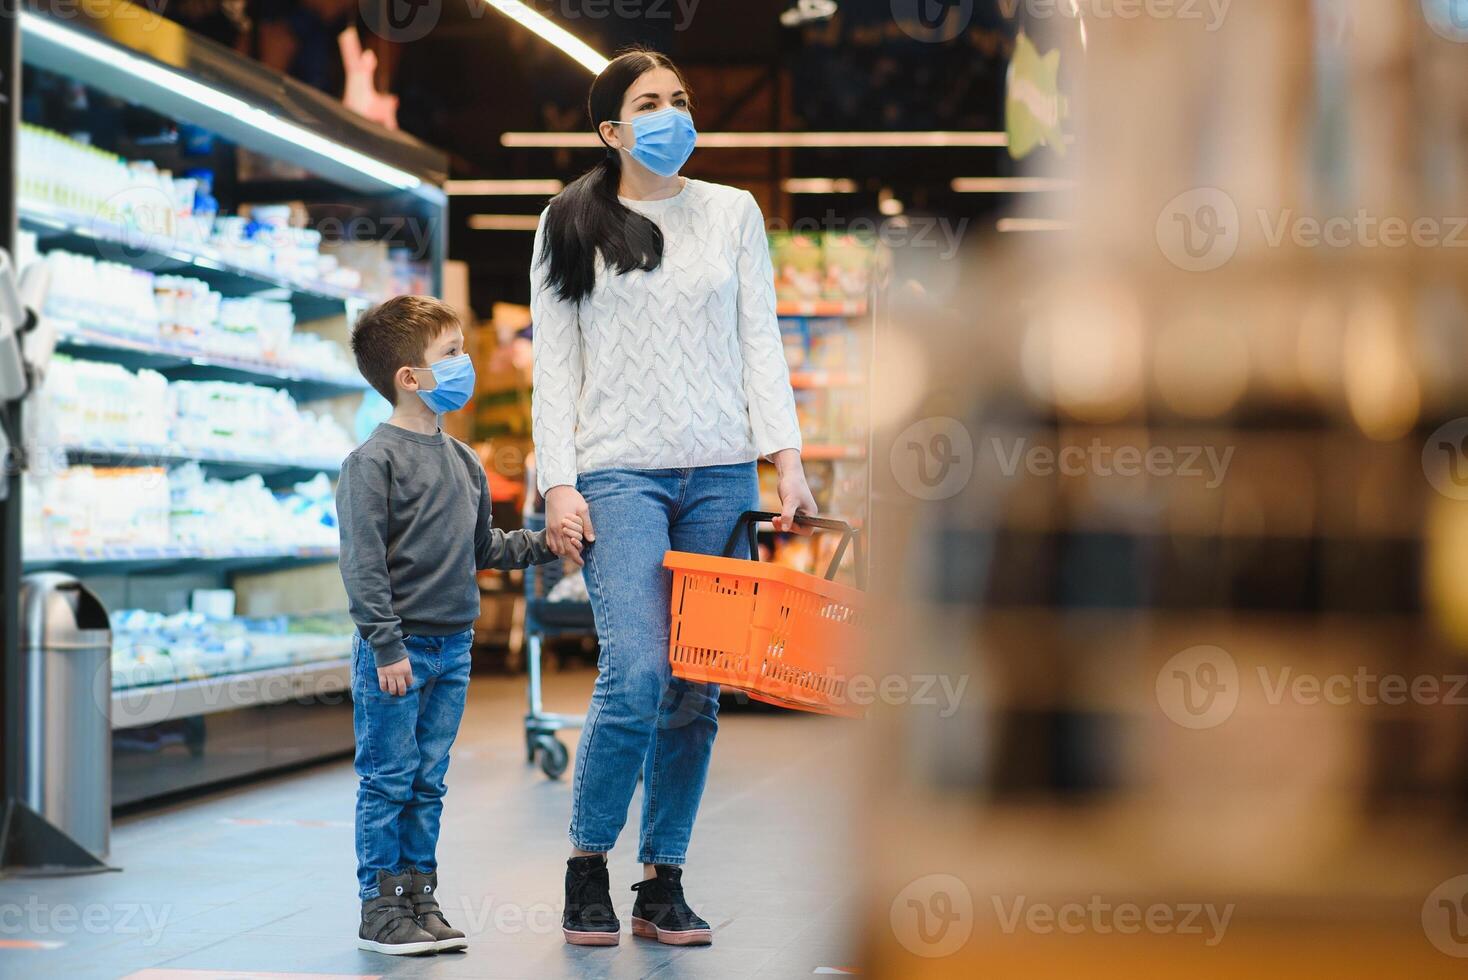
(556, 336)
(494, 548)
(362, 504)
(766, 373)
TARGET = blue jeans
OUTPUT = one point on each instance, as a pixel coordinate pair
(403, 754)
(640, 717)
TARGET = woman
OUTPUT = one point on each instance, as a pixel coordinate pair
(659, 379)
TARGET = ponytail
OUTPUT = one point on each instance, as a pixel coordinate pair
(588, 217)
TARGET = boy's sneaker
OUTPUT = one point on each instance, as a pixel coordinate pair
(661, 913)
(388, 925)
(589, 919)
(430, 917)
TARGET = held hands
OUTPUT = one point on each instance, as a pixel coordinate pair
(567, 522)
(795, 495)
(395, 679)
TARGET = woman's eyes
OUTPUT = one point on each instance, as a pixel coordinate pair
(649, 106)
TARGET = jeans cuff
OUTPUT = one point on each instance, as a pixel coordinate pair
(582, 845)
(676, 859)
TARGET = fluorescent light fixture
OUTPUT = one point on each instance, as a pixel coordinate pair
(1032, 224)
(775, 141)
(548, 30)
(499, 188)
(179, 83)
(1010, 185)
(818, 185)
(504, 222)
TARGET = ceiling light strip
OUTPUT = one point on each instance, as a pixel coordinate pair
(548, 30)
(1010, 185)
(499, 188)
(504, 222)
(766, 140)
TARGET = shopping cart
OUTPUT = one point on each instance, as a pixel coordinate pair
(545, 619)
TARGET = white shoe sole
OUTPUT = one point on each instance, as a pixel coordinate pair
(450, 945)
(398, 949)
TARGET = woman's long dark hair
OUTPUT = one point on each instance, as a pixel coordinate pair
(587, 216)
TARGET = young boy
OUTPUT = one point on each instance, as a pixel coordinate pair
(414, 509)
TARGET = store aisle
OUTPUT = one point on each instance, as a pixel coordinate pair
(260, 879)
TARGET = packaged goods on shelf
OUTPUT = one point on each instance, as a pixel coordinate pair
(834, 345)
(153, 207)
(86, 509)
(247, 513)
(179, 311)
(798, 262)
(811, 266)
(150, 648)
(93, 404)
(81, 507)
(105, 295)
(67, 174)
(186, 309)
(848, 261)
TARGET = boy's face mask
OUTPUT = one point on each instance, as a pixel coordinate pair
(454, 378)
(664, 140)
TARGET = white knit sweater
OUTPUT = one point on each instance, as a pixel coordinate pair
(681, 366)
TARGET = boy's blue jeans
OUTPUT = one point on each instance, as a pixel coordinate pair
(403, 753)
(640, 717)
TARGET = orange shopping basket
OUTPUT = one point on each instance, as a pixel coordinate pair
(782, 636)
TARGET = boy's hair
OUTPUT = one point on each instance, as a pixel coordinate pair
(395, 334)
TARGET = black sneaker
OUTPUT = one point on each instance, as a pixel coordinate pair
(661, 913)
(388, 925)
(589, 918)
(430, 917)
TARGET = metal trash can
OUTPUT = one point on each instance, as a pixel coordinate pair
(66, 640)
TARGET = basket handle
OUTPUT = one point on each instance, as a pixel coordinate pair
(849, 536)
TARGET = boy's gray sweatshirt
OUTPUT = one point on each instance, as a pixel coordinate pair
(414, 512)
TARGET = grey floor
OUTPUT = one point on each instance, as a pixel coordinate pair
(260, 879)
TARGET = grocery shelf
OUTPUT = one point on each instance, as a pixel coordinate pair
(827, 379)
(59, 228)
(182, 361)
(821, 307)
(123, 561)
(217, 462)
(137, 706)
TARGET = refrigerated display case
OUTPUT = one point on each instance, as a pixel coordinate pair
(211, 228)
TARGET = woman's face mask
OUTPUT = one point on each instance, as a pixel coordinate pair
(663, 140)
(454, 383)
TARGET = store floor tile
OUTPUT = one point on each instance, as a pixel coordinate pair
(258, 882)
